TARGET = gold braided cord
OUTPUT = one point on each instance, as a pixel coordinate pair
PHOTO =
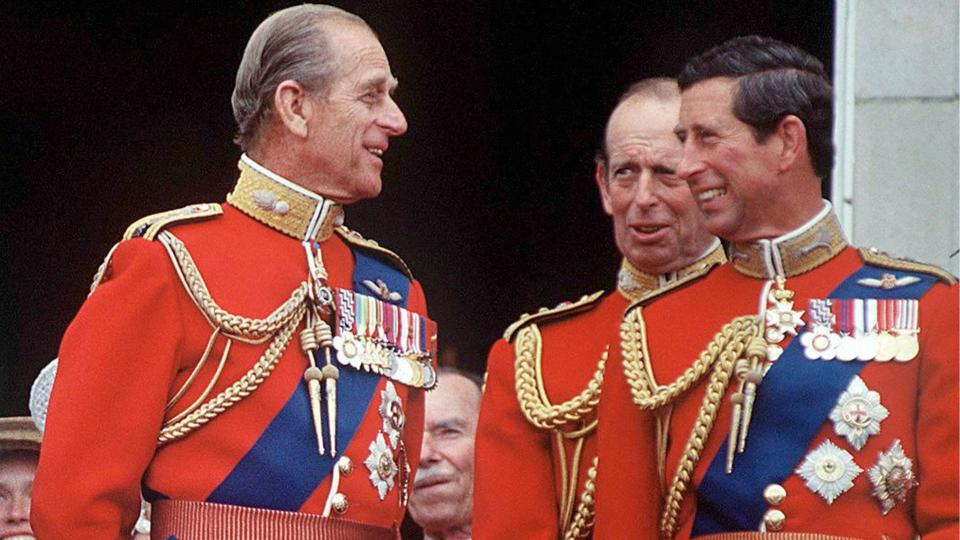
(739, 336)
(196, 371)
(582, 524)
(645, 392)
(534, 403)
(206, 391)
(238, 390)
(243, 328)
(102, 270)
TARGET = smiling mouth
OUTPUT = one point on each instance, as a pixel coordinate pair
(376, 151)
(711, 194)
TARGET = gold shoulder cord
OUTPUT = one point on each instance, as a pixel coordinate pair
(741, 337)
(537, 409)
(280, 325)
(874, 256)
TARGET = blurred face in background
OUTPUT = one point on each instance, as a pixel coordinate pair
(17, 469)
(443, 488)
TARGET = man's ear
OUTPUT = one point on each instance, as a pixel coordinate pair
(600, 175)
(292, 107)
(793, 135)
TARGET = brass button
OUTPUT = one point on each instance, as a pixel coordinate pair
(774, 494)
(345, 465)
(339, 503)
(773, 520)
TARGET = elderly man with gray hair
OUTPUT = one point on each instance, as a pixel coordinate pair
(253, 367)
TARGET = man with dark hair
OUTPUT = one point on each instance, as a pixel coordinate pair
(254, 367)
(824, 401)
(536, 449)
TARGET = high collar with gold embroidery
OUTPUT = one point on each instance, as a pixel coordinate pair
(635, 284)
(282, 205)
(799, 251)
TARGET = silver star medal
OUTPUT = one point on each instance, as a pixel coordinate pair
(892, 477)
(383, 469)
(391, 411)
(828, 471)
(820, 342)
(858, 413)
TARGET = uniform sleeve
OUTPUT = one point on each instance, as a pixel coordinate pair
(937, 435)
(117, 359)
(514, 481)
(627, 501)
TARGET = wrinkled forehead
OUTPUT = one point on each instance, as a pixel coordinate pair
(642, 119)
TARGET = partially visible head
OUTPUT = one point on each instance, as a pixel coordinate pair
(19, 453)
(313, 92)
(657, 226)
(443, 488)
(756, 121)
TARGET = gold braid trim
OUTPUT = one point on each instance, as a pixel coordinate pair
(531, 394)
(279, 325)
(875, 257)
(582, 525)
(239, 326)
(238, 390)
(739, 335)
(102, 270)
(646, 394)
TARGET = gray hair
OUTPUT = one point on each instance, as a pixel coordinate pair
(655, 88)
(291, 44)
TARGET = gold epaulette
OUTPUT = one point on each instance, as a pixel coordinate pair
(878, 258)
(148, 227)
(585, 302)
(354, 238)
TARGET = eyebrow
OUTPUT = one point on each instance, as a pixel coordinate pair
(448, 422)
(389, 81)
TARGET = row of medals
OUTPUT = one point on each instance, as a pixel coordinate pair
(824, 342)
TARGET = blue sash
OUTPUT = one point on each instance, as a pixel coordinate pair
(283, 468)
(793, 401)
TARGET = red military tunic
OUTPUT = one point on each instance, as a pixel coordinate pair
(535, 449)
(138, 338)
(841, 478)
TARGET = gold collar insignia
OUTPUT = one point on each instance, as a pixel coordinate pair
(794, 253)
(635, 284)
(283, 205)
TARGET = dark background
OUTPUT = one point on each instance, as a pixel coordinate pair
(112, 113)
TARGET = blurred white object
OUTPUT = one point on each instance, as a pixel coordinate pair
(40, 394)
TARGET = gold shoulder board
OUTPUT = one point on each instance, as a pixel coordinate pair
(587, 301)
(877, 258)
(354, 238)
(150, 226)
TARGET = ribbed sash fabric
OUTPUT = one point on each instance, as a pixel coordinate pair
(195, 520)
(771, 536)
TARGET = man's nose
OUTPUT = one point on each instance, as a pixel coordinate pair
(645, 193)
(690, 164)
(392, 118)
(17, 509)
(427, 452)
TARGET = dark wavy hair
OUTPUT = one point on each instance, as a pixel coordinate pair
(774, 79)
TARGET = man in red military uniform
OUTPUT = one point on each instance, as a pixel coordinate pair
(535, 442)
(825, 405)
(254, 366)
